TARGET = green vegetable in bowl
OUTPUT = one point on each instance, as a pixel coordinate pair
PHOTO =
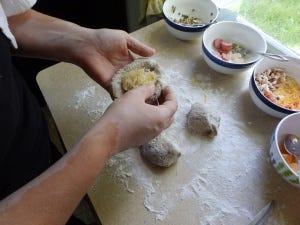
(186, 20)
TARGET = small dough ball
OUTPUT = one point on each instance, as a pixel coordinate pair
(137, 73)
(201, 122)
(160, 152)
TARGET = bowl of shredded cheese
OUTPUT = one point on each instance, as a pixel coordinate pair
(187, 19)
(275, 87)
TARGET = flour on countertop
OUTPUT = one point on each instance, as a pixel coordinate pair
(88, 94)
(83, 95)
(217, 193)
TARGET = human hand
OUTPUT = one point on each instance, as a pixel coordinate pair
(130, 122)
(105, 51)
(99, 52)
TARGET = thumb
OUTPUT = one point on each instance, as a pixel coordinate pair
(145, 91)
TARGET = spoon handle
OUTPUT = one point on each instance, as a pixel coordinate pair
(275, 56)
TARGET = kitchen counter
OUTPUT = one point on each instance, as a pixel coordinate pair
(225, 180)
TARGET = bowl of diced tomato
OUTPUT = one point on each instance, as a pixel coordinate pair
(232, 47)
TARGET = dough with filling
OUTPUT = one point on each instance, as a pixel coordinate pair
(160, 152)
(137, 73)
(202, 122)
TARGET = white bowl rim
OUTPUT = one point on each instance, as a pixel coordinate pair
(192, 28)
(232, 64)
(221, 62)
(186, 28)
(283, 120)
(259, 94)
(266, 101)
(221, 69)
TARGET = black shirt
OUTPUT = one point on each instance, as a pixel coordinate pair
(25, 149)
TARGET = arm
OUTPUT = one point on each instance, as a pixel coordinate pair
(99, 52)
(128, 122)
(52, 197)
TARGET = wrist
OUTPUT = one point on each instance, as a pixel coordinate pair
(102, 137)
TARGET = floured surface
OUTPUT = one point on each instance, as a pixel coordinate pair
(225, 180)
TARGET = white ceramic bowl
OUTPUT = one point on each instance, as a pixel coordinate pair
(234, 32)
(288, 125)
(291, 68)
(206, 10)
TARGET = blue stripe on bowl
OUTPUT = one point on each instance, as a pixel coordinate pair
(185, 28)
(224, 63)
(266, 101)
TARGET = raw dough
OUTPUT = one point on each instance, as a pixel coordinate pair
(201, 122)
(146, 64)
(159, 151)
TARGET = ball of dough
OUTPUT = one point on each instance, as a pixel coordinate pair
(137, 73)
(160, 152)
(201, 122)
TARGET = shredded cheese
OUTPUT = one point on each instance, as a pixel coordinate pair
(288, 94)
(279, 88)
(138, 77)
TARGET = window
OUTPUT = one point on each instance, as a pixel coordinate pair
(280, 19)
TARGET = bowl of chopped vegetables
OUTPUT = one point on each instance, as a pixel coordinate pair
(232, 47)
(275, 86)
(187, 19)
(284, 163)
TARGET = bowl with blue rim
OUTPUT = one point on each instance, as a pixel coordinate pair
(187, 19)
(285, 164)
(274, 86)
(231, 47)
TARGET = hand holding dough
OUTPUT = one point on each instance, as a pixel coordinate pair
(139, 72)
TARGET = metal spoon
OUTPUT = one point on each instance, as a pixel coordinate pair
(274, 56)
(260, 217)
(291, 143)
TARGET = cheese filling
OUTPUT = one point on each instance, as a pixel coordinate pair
(138, 77)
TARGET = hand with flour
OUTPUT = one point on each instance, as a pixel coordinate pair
(132, 122)
(105, 51)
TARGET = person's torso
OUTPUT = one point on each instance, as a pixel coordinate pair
(24, 140)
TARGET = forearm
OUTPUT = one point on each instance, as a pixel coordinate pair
(52, 197)
(43, 36)
(99, 52)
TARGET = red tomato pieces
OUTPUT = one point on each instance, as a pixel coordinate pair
(217, 43)
(226, 46)
(222, 47)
